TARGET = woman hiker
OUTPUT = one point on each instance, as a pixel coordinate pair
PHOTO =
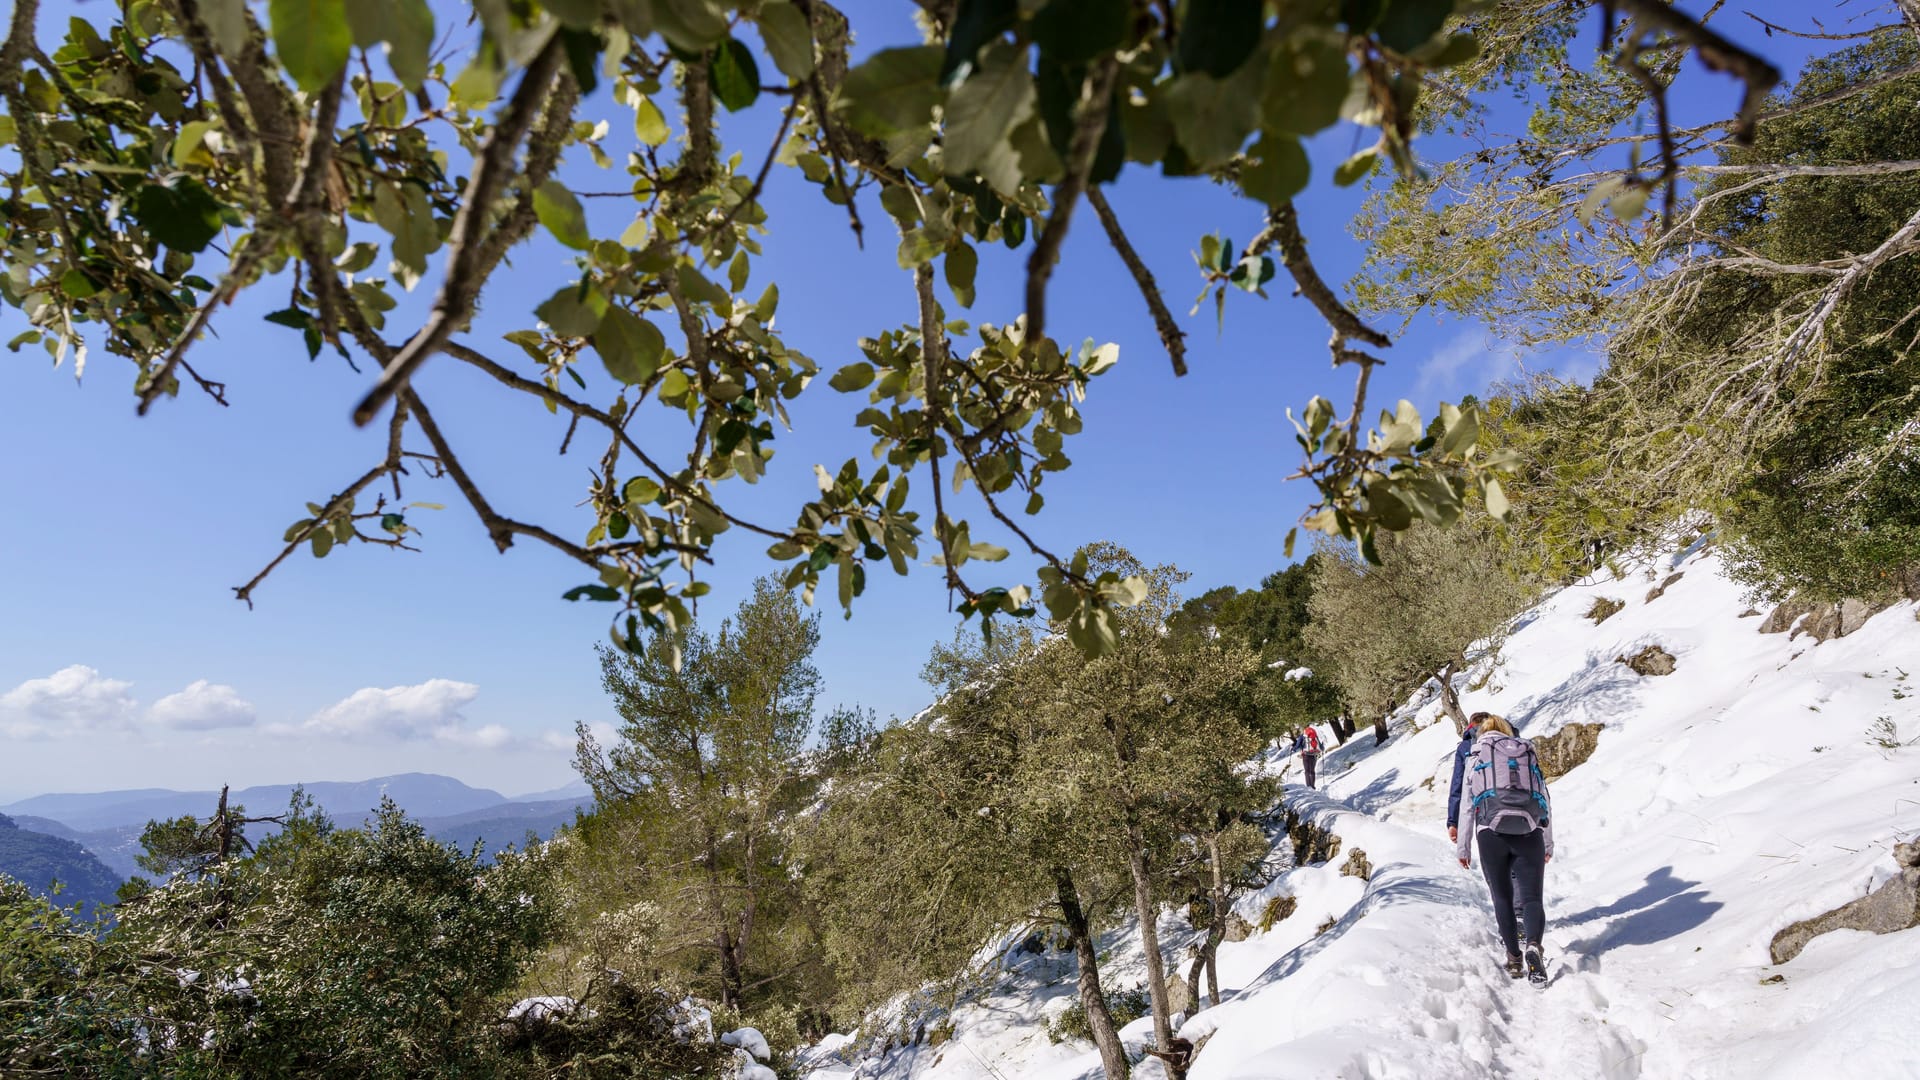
(1503, 810)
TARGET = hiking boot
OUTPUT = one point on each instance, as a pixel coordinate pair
(1514, 970)
(1536, 967)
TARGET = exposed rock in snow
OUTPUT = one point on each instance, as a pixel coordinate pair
(1561, 751)
(1652, 660)
(1892, 907)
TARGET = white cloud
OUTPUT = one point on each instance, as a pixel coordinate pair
(1473, 361)
(203, 706)
(428, 710)
(73, 700)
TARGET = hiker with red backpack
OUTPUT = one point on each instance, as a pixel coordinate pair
(1307, 745)
(1502, 808)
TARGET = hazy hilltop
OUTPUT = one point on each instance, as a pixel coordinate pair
(107, 824)
(421, 794)
(38, 859)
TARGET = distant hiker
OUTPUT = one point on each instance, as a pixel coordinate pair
(1503, 803)
(1307, 745)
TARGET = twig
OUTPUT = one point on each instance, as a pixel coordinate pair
(1171, 335)
(1096, 101)
(933, 340)
(466, 242)
(389, 465)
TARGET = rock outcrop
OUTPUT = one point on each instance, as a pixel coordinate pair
(1566, 748)
(1892, 907)
(1652, 660)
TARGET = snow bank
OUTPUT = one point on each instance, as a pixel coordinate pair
(1736, 795)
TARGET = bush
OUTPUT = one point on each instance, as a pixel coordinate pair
(1604, 608)
(1125, 1005)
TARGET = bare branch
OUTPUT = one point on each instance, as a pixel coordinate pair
(466, 243)
(1283, 229)
(1171, 335)
(1095, 102)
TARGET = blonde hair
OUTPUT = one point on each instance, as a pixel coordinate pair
(1492, 722)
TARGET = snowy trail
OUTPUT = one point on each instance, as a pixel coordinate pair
(1742, 793)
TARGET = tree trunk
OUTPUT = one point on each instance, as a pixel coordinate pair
(1449, 700)
(1204, 960)
(1380, 730)
(1113, 1057)
(1342, 726)
(1149, 912)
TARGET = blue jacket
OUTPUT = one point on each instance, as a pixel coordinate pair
(1459, 771)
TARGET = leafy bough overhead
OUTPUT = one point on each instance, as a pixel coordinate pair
(168, 156)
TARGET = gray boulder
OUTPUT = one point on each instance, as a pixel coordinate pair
(1892, 907)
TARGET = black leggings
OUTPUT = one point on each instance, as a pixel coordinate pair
(1309, 760)
(1512, 862)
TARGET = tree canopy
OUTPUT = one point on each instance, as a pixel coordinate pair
(171, 154)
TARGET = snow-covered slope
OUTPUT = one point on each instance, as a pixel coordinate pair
(1739, 794)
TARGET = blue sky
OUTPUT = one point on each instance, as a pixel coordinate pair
(125, 660)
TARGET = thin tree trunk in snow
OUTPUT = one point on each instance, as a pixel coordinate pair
(1113, 1057)
(1148, 912)
(1449, 700)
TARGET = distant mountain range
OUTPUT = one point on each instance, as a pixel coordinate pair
(107, 824)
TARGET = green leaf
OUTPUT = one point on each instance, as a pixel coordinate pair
(590, 592)
(1073, 32)
(962, 263)
(894, 89)
(1600, 193)
(410, 41)
(975, 23)
(1100, 359)
(1355, 168)
(853, 377)
(768, 303)
(738, 270)
(1211, 117)
(640, 490)
(1307, 82)
(1286, 549)
(562, 214)
(183, 215)
(191, 136)
(227, 21)
(788, 37)
(692, 26)
(982, 111)
(1496, 497)
(77, 284)
(1631, 202)
(629, 346)
(648, 123)
(699, 288)
(1463, 433)
(1217, 36)
(572, 314)
(1457, 49)
(736, 76)
(1409, 24)
(312, 39)
(1279, 170)
(322, 542)
(673, 384)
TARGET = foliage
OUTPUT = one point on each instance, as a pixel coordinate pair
(356, 952)
(687, 851)
(171, 155)
(1271, 620)
(1387, 628)
(1126, 1005)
